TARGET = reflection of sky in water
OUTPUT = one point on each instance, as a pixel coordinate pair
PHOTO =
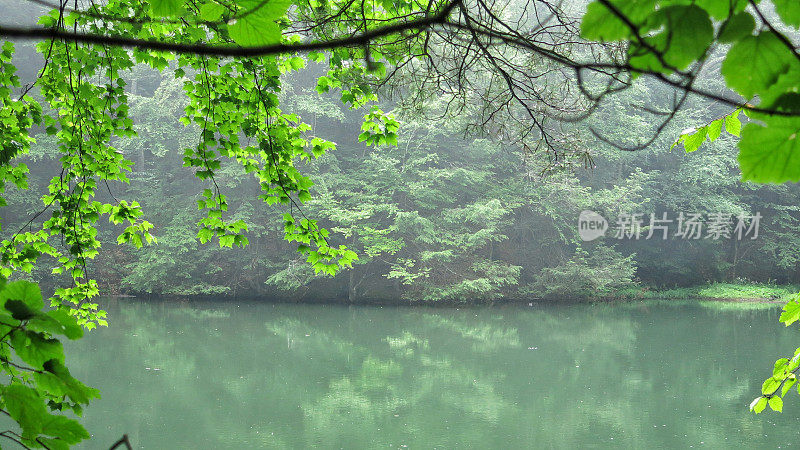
(289, 376)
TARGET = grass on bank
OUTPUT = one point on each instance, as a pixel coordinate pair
(715, 291)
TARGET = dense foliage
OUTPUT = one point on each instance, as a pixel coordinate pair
(37, 384)
(430, 220)
(672, 41)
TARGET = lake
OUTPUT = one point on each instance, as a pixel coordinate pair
(228, 375)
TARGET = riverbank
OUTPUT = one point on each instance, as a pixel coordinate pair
(733, 292)
(715, 292)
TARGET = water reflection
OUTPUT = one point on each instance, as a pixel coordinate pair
(288, 376)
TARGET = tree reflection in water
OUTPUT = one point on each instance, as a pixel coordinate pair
(255, 375)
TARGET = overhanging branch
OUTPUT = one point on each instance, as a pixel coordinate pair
(38, 33)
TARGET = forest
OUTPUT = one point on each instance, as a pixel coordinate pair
(182, 177)
(440, 216)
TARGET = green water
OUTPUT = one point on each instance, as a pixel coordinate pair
(222, 375)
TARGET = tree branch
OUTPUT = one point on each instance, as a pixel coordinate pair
(38, 33)
(122, 441)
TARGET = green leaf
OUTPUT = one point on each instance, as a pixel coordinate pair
(770, 153)
(791, 312)
(57, 380)
(26, 407)
(212, 11)
(794, 363)
(689, 34)
(24, 291)
(758, 404)
(769, 386)
(776, 403)
(166, 8)
(739, 26)
(754, 64)
(784, 94)
(57, 322)
(715, 129)
(694, 140)
(36, 349)
(685, 34)
(53, 443)
(789, 11)
(205, 235)
(226, 240)
(789, 102)
(721, 9)
(788, 385)
(256, 23)
(733, 125)
(252, 32)
(19, 310)
(602, 24)
(780, 367)
(297, 62)
(64, 428)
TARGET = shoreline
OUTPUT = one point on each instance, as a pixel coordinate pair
(716, 292)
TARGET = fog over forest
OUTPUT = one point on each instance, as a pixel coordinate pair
(446, 214)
